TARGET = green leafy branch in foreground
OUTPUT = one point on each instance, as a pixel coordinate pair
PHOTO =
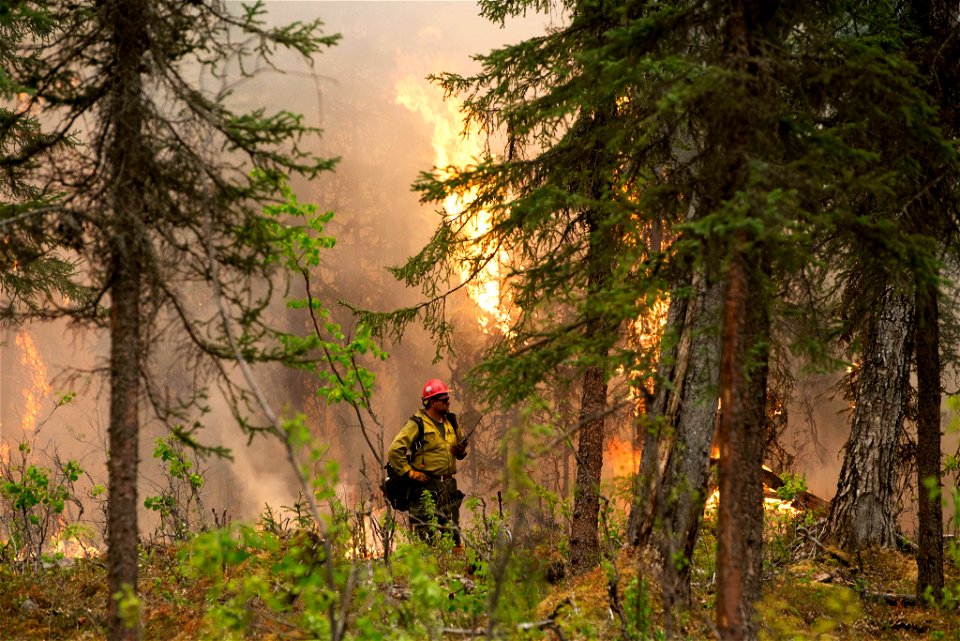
(273, 578)
(299, 248)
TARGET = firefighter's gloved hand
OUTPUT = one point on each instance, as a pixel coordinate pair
(459, 450)
(418, 476)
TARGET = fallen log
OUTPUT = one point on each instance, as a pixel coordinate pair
(804, 501)
(892, 598)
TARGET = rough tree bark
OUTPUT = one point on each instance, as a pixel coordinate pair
(743, 385)
(584, 545)
(862, 512)
(600, 260)
(682, 494)
(123, 438)
(745, 334)
(126, 20)
(656, 424)
(929, 510)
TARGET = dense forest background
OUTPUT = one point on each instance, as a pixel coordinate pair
(350, 91)
(688, 267)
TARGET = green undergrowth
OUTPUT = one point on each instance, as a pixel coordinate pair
(245, 582)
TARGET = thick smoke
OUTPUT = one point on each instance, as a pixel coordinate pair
(350, 92)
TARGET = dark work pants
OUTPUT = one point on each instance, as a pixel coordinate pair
(447, 499)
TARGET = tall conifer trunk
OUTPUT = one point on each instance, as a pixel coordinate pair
(126, 20)
(584, 544)
(745, 334)
(862, 512)
(682, 494)
(600, 260)
(937, 53)
(929, 510)
(743, 384)
(123, 433)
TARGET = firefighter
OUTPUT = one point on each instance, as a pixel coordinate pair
(432, 466)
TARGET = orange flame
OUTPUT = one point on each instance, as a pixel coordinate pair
(771, 504)
(622, 458)
(649, 327)
(452, 149)
(648, 331)
(67, 545)
(36, 389)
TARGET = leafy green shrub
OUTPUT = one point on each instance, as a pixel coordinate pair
(33, 499)
(793, 486)
(638, 612)
(178, 502)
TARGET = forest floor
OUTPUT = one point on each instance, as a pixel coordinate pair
(826, 597)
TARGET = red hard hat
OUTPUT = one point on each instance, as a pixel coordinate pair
(434, 387)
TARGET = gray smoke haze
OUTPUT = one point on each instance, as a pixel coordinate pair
(350, 91)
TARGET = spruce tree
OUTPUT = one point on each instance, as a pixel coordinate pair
(163, 190)
(558, 200)
(936, 51)
(779, 125)
(890, 252)
(34, 277)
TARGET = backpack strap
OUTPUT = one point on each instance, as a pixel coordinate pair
(454, 423)
(417, 444)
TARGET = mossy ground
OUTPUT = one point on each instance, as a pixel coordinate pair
(816, 598)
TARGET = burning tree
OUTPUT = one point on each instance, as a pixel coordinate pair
(560, 225)
(707, 121)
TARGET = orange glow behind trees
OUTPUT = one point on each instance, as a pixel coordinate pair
(455, 149)
(36, 388)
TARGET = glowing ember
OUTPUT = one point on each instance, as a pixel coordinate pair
(452, 149)
(713, 502)
(25, 104)
(771, 504)
(36, 390)
(67, 545)
(366, 544)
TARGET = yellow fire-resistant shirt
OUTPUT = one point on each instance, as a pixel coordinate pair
(435, 457)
